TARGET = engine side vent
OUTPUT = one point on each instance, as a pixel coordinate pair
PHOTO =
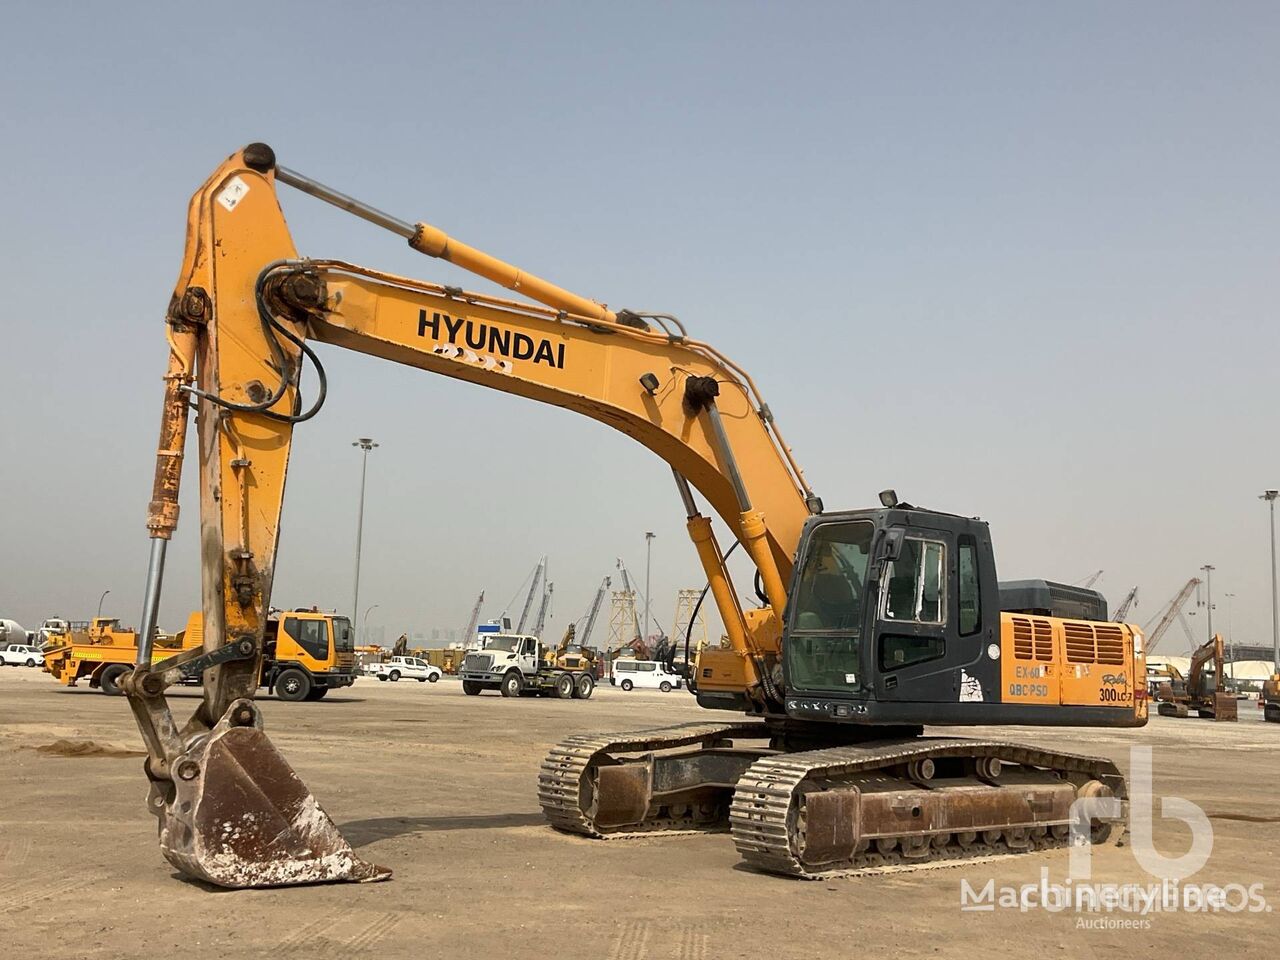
(1044, 640)
(1023, 646)
(1110, 643)
(1080, 643)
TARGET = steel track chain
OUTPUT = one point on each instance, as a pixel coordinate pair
(762, 826)
(561, 778)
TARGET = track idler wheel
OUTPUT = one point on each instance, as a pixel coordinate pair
(236, 815)
(1099, 829)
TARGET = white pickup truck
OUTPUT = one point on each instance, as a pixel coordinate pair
(411, 668)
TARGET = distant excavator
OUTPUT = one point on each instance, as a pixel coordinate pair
(1271, 699)
(1203, 689)
(873, 623)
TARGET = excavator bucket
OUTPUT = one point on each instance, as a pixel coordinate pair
(240, 817)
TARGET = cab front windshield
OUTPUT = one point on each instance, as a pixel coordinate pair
(503, 644)
(826, 619)
(343, 641)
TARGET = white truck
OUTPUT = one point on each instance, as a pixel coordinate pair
(515, 664)
(12, 632)
(410, 668)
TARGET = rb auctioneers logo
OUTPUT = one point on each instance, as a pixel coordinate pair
(1136, 900)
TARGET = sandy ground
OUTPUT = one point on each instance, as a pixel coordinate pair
(441, 787)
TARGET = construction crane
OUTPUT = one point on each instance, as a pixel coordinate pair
(1170, 612)
(1128, 603)
(533, 589)
(657, 625)
(867, 632)
(469, 634)
(627, 588)
(584, 638)
(1090, 580)
(544, 608)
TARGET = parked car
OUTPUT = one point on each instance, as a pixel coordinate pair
(411, 668)
(21, 655)
(628, 674)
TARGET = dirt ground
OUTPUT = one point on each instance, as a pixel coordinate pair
(441, 788)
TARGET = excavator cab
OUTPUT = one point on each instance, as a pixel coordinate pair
(891, 609)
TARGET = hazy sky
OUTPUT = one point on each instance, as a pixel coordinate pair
(1015, 260)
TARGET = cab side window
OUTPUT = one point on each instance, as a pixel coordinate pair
(914, 595)
(311, 635)
(970, 594)
(916, 592)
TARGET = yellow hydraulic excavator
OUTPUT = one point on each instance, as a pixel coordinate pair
(871, 624)
(1203, 689)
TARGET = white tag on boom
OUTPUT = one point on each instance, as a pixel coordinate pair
(233, 193)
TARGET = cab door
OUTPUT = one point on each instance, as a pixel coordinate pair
(311, 642)
(529, 656)
(910, 648)
(931, 626)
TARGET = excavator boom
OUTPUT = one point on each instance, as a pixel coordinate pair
(239, 324)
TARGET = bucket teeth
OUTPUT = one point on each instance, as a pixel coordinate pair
(240, 817)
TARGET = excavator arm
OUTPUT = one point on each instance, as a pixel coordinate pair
(244, 314)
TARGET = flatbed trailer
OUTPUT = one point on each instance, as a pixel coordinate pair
(103, 653)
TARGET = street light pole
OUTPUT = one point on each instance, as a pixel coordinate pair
(364, 624)
(1231, 634)
(100, 599)
(1208, 569)
(648, 569)
(1270, 497)
(365, 444)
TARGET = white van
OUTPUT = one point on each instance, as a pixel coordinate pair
(644, 673)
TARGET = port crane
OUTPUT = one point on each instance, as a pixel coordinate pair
(1170, 613)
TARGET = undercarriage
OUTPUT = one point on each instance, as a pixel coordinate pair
(860, 805)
